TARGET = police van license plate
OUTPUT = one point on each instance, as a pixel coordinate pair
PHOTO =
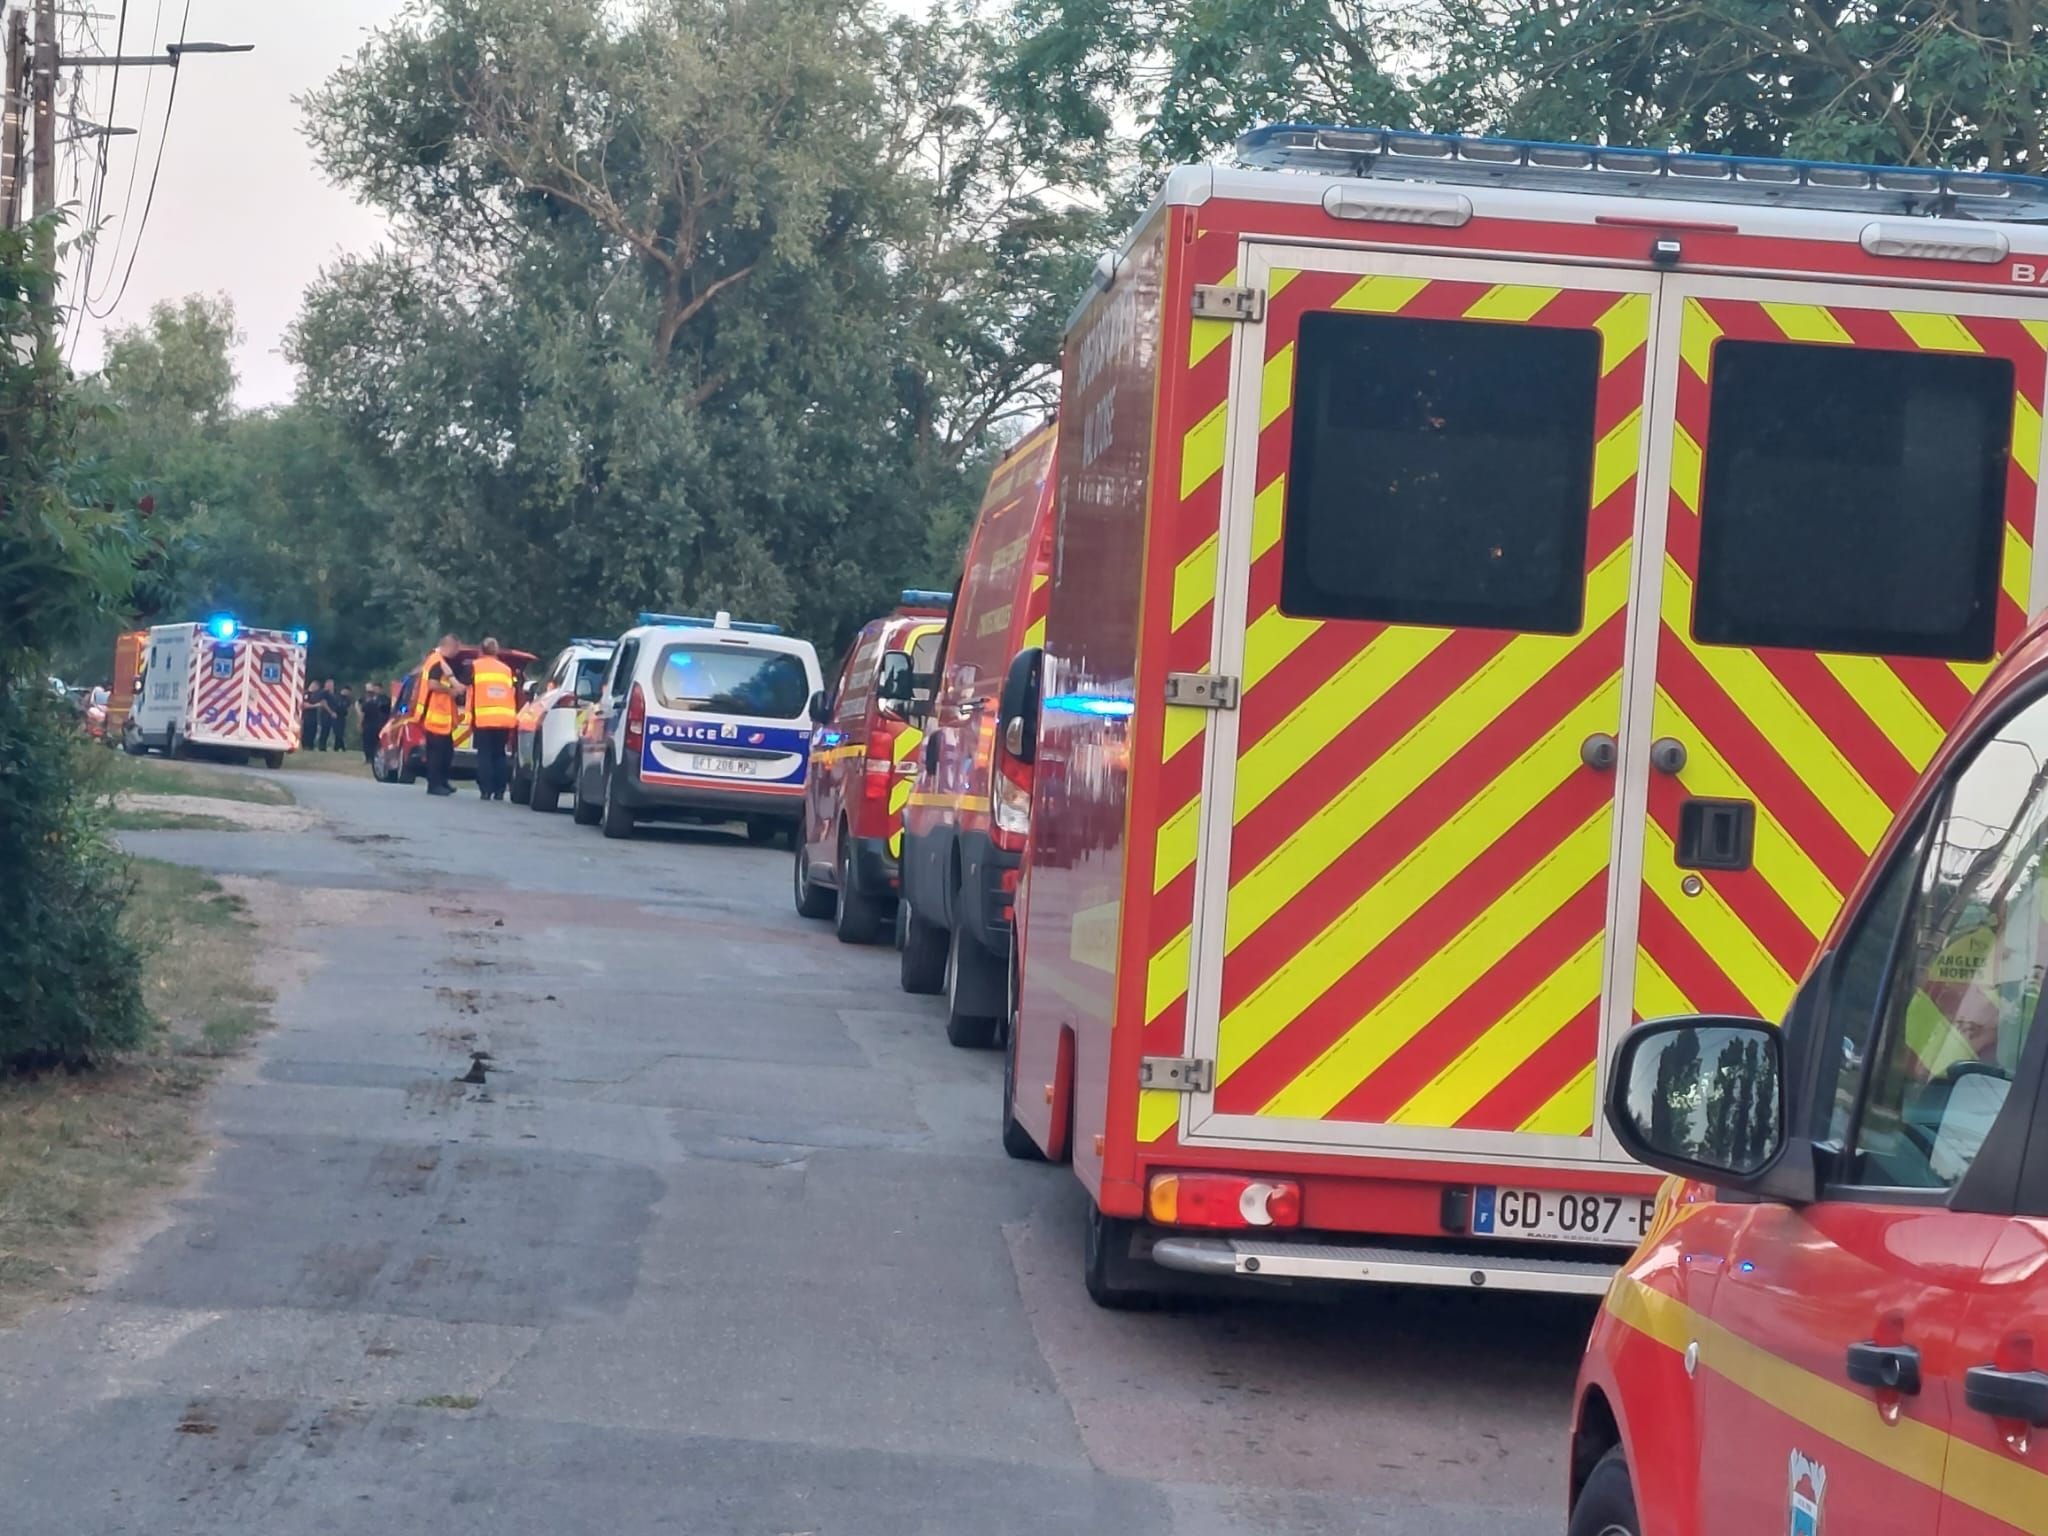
(1560, 1216)
(729, 767)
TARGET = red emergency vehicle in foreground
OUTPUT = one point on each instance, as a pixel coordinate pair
(969, 811)
(864, 755)
(1501, 593)
(1840, 1322)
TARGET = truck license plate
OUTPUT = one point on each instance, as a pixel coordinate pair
(730, 767)
(1561, 1216)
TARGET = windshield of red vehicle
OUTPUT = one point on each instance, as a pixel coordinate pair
(732, 680)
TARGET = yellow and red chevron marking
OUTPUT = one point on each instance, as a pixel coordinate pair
(1827, 746)
(1195, 483)
(1418, 866)
(902, 747)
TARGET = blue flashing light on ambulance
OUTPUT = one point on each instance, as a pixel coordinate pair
(698, 719)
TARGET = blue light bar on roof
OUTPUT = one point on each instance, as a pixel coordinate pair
(222, 626)
(698, 621)
(602, 645)
(1448, 157)
(918, 597)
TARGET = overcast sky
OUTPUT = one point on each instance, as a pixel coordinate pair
(241, 208)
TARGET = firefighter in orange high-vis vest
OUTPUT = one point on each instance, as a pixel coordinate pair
(443, 691)
(493, 714)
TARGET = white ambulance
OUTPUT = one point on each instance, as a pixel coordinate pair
(220, 687)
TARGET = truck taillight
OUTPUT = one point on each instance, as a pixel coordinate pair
(1009, 796)
(636, 720)
(878, 770)
(1222, 1200)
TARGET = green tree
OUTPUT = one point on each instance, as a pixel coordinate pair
(1961, 82)
(698, 303)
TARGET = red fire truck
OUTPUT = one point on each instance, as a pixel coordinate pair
(1502, 592)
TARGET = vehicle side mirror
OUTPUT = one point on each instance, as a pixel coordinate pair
(821, 707)
(1019, 708)
(1703, 1098)
(894, 682)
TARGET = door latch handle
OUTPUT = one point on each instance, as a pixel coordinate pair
(2021, 1395)
(1599, 752)
(1886, 1367)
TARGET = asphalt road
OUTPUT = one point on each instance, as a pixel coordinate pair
(724, 1242)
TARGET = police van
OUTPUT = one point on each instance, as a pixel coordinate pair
(702, 720)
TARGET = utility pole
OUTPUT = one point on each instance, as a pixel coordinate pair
(15, 107)
(42, 81)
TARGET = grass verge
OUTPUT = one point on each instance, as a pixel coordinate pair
(77, 1152)
(124, 820)
(121, 774)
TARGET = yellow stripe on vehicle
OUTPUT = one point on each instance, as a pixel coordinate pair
(1179, 836)
(1737, 953)
(1381, 295)
(1276, 386)
(2038, 329)
(1808, 322)
(1166, 975)
(1685, 468)
(1391, 778)
(1756, 692)
(1697, 334)
(2018, 567)
(1183, 724)
(1267, 507)
(1437, 980)
(1567, 1112)
(1201, 452)
(1517, 1035)
(1892, 707)
(1194, 582)
(1322, 959)
(1994, 1485)
(2026, 436)
(1278, 279)
(1158, 1113)
(1657, 995)
(1624, 330)
(1034, 633)
(1511, 301)
(1936, 333)
(1776, 854)
(1362, 681)
(1614, 459)
(1205, 336)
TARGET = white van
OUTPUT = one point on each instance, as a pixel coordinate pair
(699, 720)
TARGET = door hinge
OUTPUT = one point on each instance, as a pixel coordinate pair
(1177, 1074)
(1201, 690)
(1222, 301)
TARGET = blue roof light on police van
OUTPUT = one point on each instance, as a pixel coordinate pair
(920, 597)
(698, 621)
(222, 626)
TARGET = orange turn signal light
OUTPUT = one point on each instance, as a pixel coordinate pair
(1222, 1200)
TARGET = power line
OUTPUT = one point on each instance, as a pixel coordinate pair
(96, 203)
(156, 28)
(149, 201)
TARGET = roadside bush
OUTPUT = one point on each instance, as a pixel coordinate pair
(70, 979)
(70, 986)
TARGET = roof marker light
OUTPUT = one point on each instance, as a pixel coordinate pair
(1398, 205)
(1929, 240)
(921, 597)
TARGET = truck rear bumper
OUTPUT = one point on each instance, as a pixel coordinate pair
(1384, 1264)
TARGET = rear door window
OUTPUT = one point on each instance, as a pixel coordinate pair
(589, 673)
(732, 680)
(1441, 472)
(1853, 500)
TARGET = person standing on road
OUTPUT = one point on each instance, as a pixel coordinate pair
(323, 717)
(376, 709)
(309, 718)
(443, 690)
(494, 711)
(343, 702)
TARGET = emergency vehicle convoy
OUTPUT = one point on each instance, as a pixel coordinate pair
(968, 814)
(1501, 593)
(864, 752)
(698, 720)
(216, 687)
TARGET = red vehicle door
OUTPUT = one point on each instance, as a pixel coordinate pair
(1834, 1370)
(1997, 1478)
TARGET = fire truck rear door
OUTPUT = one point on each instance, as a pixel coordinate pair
(1433, 487)
(1845, 488)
